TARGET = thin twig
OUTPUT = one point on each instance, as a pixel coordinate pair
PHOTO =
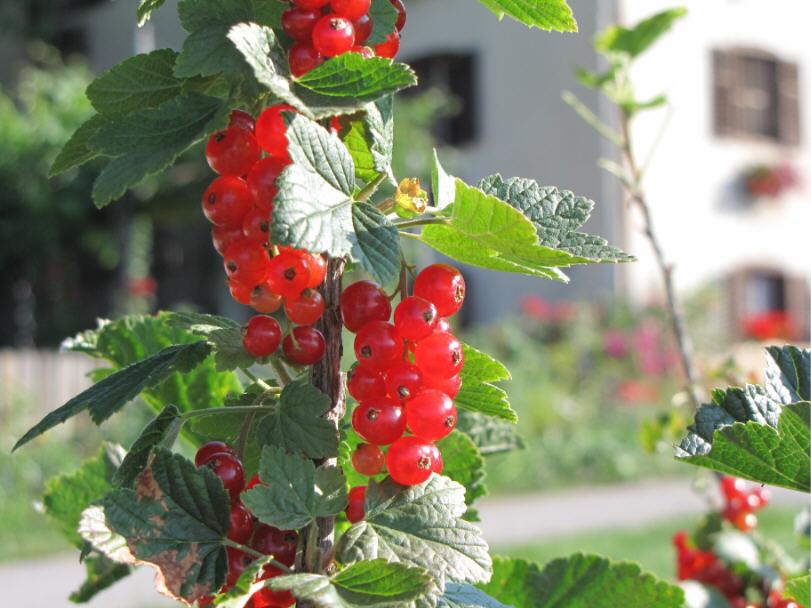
(281, 371)
(370, 188)
(591, 118)
(216, 411)
(422, 221)
(254, 553)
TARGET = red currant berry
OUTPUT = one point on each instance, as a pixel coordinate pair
(255, 481)
(449, 386)
(390, 47)
(303, 57)
(431, 415)
(379, 421)
(333, 35)
(439, 356)
(364, 383)
(238, 562)
(267, 597)
(247, 262)
(288, 274)
(207, 450)
(403, 381)
(436, 457)
(363, 302)
(443, 326)
(363, 51)
(242, 120)
(298, 23)
(263, 300)
(306, 308)
(443, 285)
(261, 336)
(232, 151)
(350, 9)
(732, 487)
(415, 318)
(281, 544)
(256, 226)
(304, 346)
(270, 130)
(229, 469)
(401, 14)
(378, 345)
(318, 269)
(363, 29)
(223, 237)
(745, 521)
(410, 460)
(310, 5)
(262, 181)
(241, 293)
(368, 459)
(241, 523)
(226, 201)
(356, 509)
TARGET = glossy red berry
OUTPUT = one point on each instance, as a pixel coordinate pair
(732, 487)
(431, 415)
(223, 237)
(364, 51)
(365, 383)
(303, 57)
(390, 47)
(363, 302)
(356, 509)
(246, 262)
(267, 597)
(439, 356)
(226, 201)
(403, 381)
(410, 460)
(368, 459)
(281, 544)
(242, 120)
(270, 130)
(318, 269)
(298, 23)
(363, 28)
(288, 274)
(256, 226)
(310, 5)
(263, 300)
(378, 345)
(333, 35)
(229, 469)
(306, 308)
(241, 293)
(415, 318)
(261, 336)
(379, 421)
(207, 450)
(241, 523)
(443, 285)
(350, 9)
(304, 346)
(255, 481)
(449, 386)
(401, 14)
(262, 181)
(232, 151)
(238, 562)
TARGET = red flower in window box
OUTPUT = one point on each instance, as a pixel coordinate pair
(763, 181)
(774, 324)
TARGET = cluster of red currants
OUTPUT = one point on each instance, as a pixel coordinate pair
(741, 502)
(328, 28)
(249, 156)
(245, 530)
(406, 376)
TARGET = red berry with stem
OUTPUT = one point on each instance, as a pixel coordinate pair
(241, 523)
(350, 9)
(267, 597)
(262, 181)
(226, 201)
(232, 151)
(378, 345)
(368, 459)
(439, 356)
(401, 14)
(271, 130)
(390, 47)
(306, 308)
(288, 274)
(223, 237)
(363, 28)
(241, 293)
(246, 262)
(242, 120)
(263, 300)
(303, 57)
(318, 269)
(415, 318)
(442, 285)
(208, 450)
(256, 226)
(298, 23)
(238, 562)
(281, 544)
(449, 386)
(363, 302)
(229, 469)
(403, 381)
(261, 336)
(431, 415)
(410, 460)
(304, 346)
(379, 421)
(356, 509)
(310, 5)
(365, 383)
(333, 35)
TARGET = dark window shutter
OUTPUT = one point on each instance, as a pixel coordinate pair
(788, 103)
(798, 299)
(725, 110)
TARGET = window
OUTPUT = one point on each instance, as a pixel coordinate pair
(756, 96)
(456, 74)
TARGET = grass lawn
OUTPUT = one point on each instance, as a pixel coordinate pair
(649, 546)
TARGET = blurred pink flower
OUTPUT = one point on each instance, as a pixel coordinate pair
(615, 344)
(536, 307)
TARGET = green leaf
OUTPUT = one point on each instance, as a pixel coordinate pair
(296, 424)
(115, 391)
(146, 8)
(482, 367)
(296, 492)
(363, 79)
(788, 374)
(443, 186)
(467, 596)
(224, 335)
(162, 430)
(313, 209)
(556, 214)
(636, 40)
(148, 141)
(140, 82)
(239, 596)
(464, 464)
(175, 520)
(77, 150)
(100, 573)
(544, 14)
(370, 139)
(485, 399)
(368, 584)
(419, 526)
(384, 18)
(799, 589)
(376, 244)
(490, 435)
(586, 581)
